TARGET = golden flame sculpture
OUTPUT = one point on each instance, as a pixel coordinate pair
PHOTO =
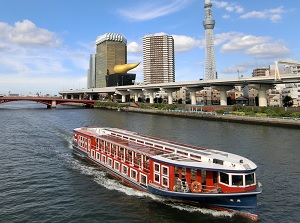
(123, 68)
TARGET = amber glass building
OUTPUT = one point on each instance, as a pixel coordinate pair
(111, 50)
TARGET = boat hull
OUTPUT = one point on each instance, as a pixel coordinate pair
(242, 203)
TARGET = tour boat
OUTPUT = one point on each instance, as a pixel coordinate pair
(189, 174)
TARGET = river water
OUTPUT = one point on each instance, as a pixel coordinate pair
(41, 181)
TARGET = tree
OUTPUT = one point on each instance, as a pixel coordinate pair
(287, 101)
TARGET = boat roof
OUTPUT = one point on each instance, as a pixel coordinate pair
(170, 152)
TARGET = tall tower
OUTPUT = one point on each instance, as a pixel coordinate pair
(209, 24)
(158, 59)
(111, 49)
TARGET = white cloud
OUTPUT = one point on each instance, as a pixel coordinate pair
(33, 59)
(269, 50)
(26, 33)
(184, 43)
(256, 46)
(239, 43)
(134, 47)
(150, 11)
(229, 7)
(274, 15)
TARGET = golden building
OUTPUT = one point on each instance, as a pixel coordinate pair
(111, 50)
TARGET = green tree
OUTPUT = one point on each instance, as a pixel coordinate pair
(287, 101)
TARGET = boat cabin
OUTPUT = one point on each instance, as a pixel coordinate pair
(142, 160)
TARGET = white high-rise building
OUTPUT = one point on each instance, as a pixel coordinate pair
(158, 59)
(209, 24)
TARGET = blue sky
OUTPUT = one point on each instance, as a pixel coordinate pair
(45, 44)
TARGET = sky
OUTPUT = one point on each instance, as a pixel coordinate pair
(45, 44)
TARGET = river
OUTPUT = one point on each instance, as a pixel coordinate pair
(41, 181)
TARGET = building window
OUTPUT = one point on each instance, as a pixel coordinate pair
(98, 156)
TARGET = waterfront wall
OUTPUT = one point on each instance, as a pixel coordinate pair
(280, 122)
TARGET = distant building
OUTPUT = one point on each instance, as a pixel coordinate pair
(266, 71)
(91, 75)
(274, 97)
(292, 69)
(208, 96)
(182, 95)
(251, 94)
(234, 94)
(260, 72)
(158, 59)
(111, 50)
(292, 90)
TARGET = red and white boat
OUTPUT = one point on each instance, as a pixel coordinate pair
(194, 175)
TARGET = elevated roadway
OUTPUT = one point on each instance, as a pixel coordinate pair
(261, 83)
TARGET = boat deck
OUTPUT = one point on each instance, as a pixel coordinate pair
(173, 152)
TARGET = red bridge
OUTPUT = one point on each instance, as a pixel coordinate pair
(50, 102)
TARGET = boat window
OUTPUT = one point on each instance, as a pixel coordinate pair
(250, 179)
(165, 170)
(143, 179)
(156, 167)
(165, 182)
(224, 178)
(217, 161)
(124, 169)
(156, 178)
(237, 180)
(110, 162)
(133, 174)
(117, 165)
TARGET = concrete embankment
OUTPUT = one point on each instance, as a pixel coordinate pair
(280, 122)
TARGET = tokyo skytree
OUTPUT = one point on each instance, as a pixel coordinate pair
(209, 24)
